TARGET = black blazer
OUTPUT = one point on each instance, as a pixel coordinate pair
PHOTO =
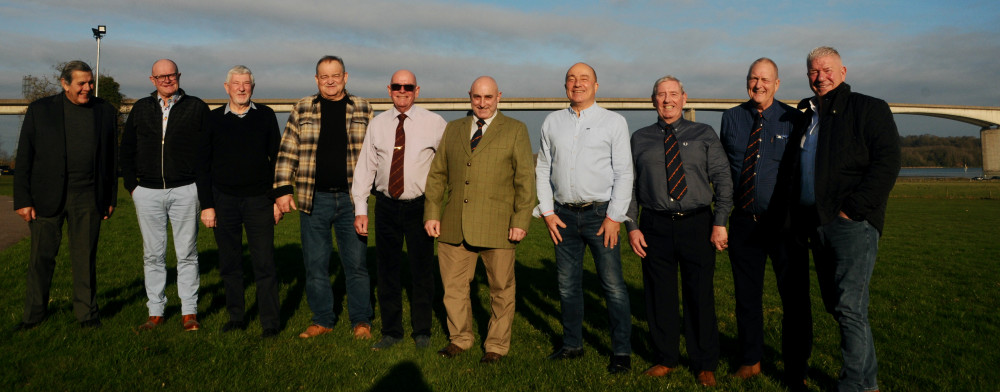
(857, 158)
(40, 171)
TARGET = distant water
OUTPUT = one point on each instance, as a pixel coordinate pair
(942, 172)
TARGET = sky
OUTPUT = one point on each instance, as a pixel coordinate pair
(915, 51)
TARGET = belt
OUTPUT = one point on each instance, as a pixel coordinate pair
(333, 190)
(381, 196)
(577, 207)
(755, 217)
(682, 214)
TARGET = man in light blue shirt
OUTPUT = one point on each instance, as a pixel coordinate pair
(584, 184)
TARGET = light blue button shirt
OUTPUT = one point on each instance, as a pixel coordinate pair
(807, 197)
(241, 115)
(585, 158)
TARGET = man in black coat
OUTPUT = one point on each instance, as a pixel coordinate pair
(66, 173)
(837, 184)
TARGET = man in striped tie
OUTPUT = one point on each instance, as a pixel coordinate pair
(754, 135)
(399, 146)
(680, 170)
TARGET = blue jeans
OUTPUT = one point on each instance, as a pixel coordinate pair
(179, 207)
(581, 230)
(334, 210)
(845, 253)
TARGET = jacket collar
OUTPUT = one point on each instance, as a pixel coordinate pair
(347, 96)
(180, 95)
(833, 102)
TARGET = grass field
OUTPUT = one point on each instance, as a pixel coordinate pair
(934, 300)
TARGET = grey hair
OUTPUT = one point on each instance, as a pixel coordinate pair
(239, 70)
(75, 65)
(664, 79)
(329, 58)
(821, 51)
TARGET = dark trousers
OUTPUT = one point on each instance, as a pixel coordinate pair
(750, 244)
(680, 242)
(256, 215)
(84, 221)
(396, 221)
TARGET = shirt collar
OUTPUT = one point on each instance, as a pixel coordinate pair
(227, 111)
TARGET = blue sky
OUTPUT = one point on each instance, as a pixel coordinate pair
(901, 51)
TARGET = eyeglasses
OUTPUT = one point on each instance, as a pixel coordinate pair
(167, 77)
(397, 86)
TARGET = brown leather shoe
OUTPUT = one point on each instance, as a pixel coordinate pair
(706, 378)
(490, 358)
(450, 350)
(190, 322)
(314, 330)
(363, 331)
(152, 323)
(657, 371)
(747, 371)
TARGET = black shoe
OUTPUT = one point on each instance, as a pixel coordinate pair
(620, 364)
(567, 353)
(231, 325)
(23, 326)
(269, 333)
(92, 323)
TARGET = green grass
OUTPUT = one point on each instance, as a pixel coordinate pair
(935, 295)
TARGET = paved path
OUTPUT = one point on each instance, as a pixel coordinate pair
(12, 227)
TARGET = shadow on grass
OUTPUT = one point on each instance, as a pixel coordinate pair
(405, 376)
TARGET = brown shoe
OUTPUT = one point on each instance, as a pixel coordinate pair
(190, 322)
(314, 330)
(450, 350)
(747, 371)
(490, 357)
(657, 371)
(706, 378)
(152, 323)
(363, 331)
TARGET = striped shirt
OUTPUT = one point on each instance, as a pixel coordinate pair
(297, 155)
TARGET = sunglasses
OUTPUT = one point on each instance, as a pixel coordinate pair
(397, 86)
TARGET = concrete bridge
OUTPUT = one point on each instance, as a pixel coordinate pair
(986, 117)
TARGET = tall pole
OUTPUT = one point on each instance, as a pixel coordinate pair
(98, 33)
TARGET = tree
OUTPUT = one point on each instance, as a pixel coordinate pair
(35, 87)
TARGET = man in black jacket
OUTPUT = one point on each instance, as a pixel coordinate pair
(159, 160)
(839, 180)
(238, 155)
(66, 173)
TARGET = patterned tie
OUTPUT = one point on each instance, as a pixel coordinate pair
(746, 185)
(478, 135)
(675, 168)
(396, 170)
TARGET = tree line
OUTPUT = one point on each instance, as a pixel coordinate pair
(937, 151)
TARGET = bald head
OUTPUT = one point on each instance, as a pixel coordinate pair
(581, 86)
(165, 77)
(485, 96)
(403, 90)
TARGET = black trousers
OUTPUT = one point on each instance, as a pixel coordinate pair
(749, 247)
(682, 242)
(256, 215)
(84, 226)
(396, 221)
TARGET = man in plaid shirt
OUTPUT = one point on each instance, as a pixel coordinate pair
(319, 149)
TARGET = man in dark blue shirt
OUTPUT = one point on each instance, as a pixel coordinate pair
(754, 135)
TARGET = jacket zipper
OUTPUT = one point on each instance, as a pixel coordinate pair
(163, 178)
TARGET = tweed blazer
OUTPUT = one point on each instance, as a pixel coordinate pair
(478, 196)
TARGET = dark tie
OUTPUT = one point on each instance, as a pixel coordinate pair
(396, 170)
(746, 185)
(478, 135)
(675, 168)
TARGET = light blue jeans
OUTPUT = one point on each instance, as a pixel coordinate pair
(845, 252)
(155, 208)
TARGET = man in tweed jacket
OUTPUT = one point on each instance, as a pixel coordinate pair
(319, 149)
(484, 164)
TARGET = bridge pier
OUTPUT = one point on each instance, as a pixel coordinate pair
(689, 115)
(990, 138)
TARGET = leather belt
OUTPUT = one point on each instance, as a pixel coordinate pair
(683, 214)
(577, 207)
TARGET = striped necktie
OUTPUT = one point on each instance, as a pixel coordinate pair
(478, 135)
(747, 176)
(676, 184)
(396, 170)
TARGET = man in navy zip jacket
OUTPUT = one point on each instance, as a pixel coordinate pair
(159, 162)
